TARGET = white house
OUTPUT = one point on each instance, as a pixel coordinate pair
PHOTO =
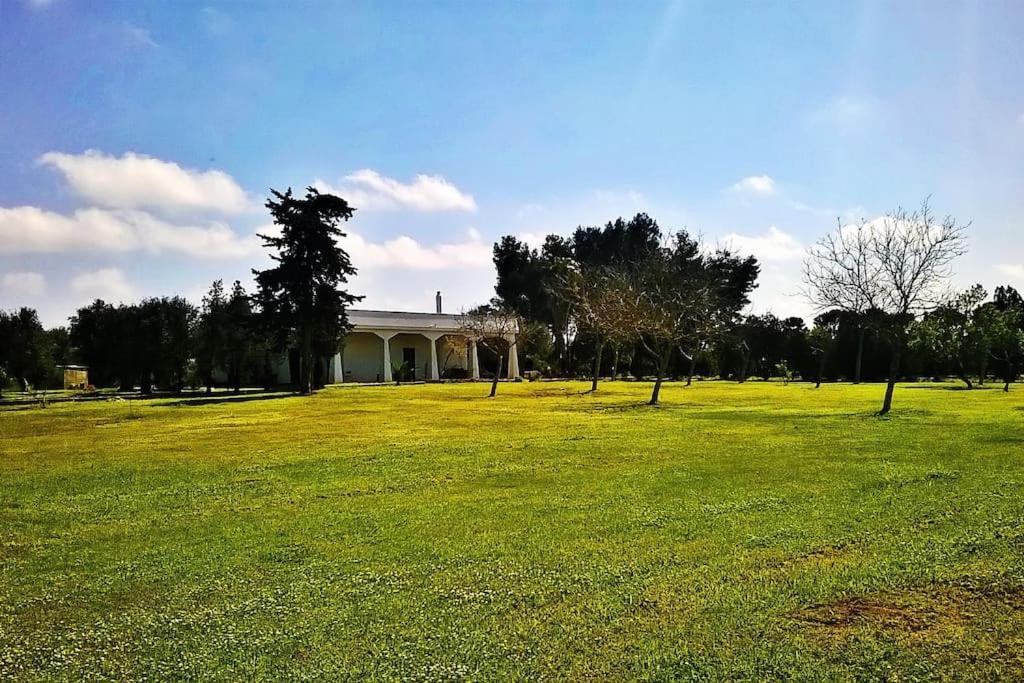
(428, 344)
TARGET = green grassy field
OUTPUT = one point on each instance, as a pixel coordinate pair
(424, 533)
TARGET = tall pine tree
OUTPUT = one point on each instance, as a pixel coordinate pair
(301, 300)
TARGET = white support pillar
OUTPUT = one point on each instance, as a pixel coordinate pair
(435, 372)
(474, 360)
(336, 374)
(513, 362)
(386, 338)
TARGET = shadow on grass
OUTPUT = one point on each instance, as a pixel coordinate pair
(624, 407)
(954, 387)
(233, 398)
(16, 407)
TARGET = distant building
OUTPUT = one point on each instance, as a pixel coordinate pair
(428, 346)
(75, 376)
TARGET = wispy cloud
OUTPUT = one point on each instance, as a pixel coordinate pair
(109, 284)
(755, 186)
(214, 21)
(1014, 271)
(368, 190)
(134, 181)
(139, 35)
(847, 113)
(773, 246)
(23, 285)
(29, 229)
(409, 254)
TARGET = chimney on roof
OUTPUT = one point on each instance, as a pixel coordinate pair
(437, 300)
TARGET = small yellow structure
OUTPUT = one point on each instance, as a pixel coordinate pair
(75, 376)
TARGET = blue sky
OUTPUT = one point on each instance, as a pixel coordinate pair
(137, 139)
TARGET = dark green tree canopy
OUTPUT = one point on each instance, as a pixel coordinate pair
(301, 299)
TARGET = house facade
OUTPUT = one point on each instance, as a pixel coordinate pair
(423, 346)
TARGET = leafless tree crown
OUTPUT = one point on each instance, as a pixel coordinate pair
(898, 264)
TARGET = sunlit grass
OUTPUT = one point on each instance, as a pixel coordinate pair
(426, 532)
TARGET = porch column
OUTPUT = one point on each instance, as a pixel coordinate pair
(435, 373)
(386, 338)
(513, 361)
(336, 374)
(474, 360)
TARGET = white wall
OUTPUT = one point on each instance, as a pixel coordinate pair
(363, 357)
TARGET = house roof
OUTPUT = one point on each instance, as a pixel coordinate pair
(402, 320)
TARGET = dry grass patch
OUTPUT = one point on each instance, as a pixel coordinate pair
(924, 611)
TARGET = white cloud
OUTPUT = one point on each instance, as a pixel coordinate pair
(755, 185)
(773, 246)
(407, 253)
(777, 292)
(535, 240)
(24, 285)
(1011, 270)
(135, 181)
(26, 229)
(139, 35)
(108, 284)
(368, 190)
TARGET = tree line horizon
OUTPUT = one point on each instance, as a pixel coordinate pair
(623, 299)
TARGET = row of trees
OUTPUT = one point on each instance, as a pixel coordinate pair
(614, 299)
(628, 287)
(299, 304)
(30, 354)
(669, 306)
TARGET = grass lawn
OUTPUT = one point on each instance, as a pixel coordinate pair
(424, 532)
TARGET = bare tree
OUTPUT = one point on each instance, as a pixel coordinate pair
(595, 304)
(897, 265)
(841, 273)
(666, 307)
(497, 328)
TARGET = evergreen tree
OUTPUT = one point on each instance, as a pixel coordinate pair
(301, 300)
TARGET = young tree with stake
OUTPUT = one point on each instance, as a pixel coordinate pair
(498, 329)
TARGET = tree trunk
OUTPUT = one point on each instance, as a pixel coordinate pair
(744, 364)
(662, 367)
(894, 369)
(306, 364)
(597, 365)
(1011, 374)
(268, 371)
(615, 361)
(656, 392)
(860, 355)
(559, 352)
(821, 370)
(494, 381)
(962, 374)
(982, 371)
(690, 370)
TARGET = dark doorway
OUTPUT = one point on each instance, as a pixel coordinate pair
(409, 362)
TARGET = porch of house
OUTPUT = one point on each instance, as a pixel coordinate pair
(421, 346)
